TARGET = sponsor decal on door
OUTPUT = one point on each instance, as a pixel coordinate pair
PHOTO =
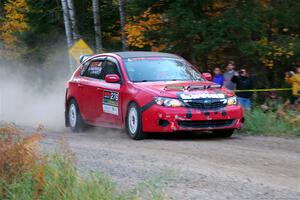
(110, 102)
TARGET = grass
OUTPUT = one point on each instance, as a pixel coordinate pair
(258, 122)
(27, 173)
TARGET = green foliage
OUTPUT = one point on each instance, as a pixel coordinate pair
(46, 26)
(27, 173)
(258, 122)
(261, 35)
(61, 181)
(254, 33)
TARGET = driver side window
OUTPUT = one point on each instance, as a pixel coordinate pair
(109, 67)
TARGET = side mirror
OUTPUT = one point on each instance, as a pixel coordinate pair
(112, 78)
(207, 76)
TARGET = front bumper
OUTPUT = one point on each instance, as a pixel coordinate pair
(166, 119)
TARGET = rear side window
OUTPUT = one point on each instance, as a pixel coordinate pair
(94, 69)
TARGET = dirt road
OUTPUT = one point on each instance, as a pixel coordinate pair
(192, 166)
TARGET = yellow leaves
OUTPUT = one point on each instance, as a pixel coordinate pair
(14, 22)
(139, 26)
(276, 54)
(158, 48)
(216, 7)
(17, 151)
(264, 3)
(290, 53)
(263, 41)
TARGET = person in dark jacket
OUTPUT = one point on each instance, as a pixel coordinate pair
(218, 77)
(243, 82)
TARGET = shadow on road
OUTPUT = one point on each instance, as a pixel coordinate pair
(176, 136)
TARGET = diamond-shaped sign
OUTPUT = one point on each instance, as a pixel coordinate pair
(80, 48)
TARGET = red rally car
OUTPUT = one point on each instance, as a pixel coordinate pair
(148, 92)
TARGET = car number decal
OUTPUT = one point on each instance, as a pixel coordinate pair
(110, 102)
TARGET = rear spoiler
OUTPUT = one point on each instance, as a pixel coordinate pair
(83, 58)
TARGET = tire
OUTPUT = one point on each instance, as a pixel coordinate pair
(225, 133)
(134, 122)
(76, 122)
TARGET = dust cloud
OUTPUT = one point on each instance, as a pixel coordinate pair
(30, 96)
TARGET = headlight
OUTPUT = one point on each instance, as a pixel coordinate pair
(168, 102)
(232, 101)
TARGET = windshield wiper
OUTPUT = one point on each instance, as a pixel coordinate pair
(145, 81)
(141, 81)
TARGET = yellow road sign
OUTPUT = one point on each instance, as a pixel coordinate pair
(80, 48)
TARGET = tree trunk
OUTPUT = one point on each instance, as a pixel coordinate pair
(72, 15)
(1, 8)
(68, 28)
(97, 26)
(1, 17)
(123, 22)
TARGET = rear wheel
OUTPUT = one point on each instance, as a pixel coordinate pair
(225, 133)
(134, 122)
(76, 122)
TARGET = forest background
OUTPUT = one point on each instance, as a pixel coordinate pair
(259, 35)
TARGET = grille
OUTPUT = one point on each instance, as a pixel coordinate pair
(205, 103)
(206, 123)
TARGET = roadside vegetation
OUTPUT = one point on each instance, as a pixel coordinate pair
(27, 173)
(280, 123)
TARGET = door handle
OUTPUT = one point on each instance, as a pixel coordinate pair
(79, 85)
(98, 89)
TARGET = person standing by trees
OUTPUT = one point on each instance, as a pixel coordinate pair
(294, 79)
(228, 76)
(218, 77)
(243, 82)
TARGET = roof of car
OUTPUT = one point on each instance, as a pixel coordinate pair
(137, 54)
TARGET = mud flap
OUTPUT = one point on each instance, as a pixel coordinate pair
(67, 124)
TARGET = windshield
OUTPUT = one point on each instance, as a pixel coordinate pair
(160, 69)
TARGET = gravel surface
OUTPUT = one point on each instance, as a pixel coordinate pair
(190, 166)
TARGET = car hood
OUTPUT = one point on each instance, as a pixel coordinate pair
(186, 89)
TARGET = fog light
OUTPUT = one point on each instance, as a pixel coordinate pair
(163, 122)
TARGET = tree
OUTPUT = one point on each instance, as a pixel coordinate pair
(14, 23)
(139, 26)
(67, 23)
(123, 23)
(97, 26)
(71, 10)
(1, 8)
(1, 17)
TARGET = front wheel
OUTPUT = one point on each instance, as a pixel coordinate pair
(134, 122)
(225, 133)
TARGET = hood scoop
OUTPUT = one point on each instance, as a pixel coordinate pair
(175, 87)
(191, 87)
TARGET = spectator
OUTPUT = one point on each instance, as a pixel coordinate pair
(218, 77)
(228, 76)
(243, 82)
(294, 79)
